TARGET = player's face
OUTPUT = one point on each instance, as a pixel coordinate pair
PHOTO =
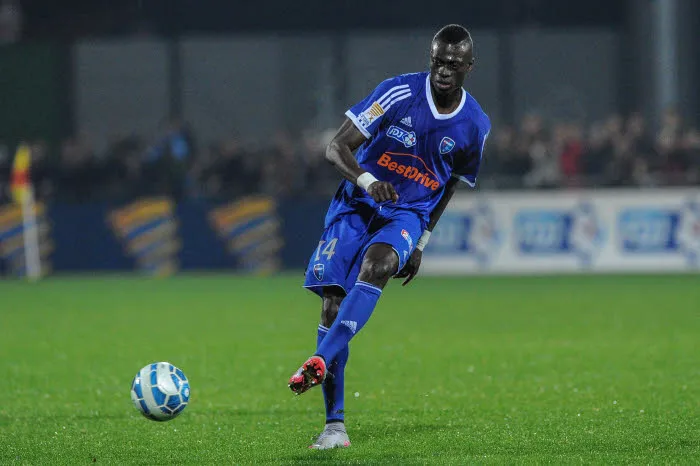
(449, 65)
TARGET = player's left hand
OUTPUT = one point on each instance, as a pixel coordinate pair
(410, 270)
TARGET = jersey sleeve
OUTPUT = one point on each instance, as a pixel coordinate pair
(467, 163)
(368, 114)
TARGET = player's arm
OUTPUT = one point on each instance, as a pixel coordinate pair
(340, 154)
(450, 188)
(466, 168)
(411, 268)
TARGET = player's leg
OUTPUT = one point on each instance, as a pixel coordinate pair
(379, 263)
(334, 434)
(333, 387)
(388, 248)
(333, 261)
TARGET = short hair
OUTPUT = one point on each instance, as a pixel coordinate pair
(454, 34)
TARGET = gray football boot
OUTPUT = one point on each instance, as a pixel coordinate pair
(333, 436)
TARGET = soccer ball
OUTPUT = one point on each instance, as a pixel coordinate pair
(160, 391)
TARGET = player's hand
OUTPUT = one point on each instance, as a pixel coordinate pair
(382, 191)
(410, 270)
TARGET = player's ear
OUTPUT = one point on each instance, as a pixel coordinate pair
(470, 66)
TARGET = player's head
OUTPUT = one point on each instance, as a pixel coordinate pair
(451, 58)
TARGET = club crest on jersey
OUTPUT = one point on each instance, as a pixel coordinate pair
(318, 271)
(446, 145)
(407, 138)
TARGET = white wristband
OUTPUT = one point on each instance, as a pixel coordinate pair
(423, 240)
(364, 180)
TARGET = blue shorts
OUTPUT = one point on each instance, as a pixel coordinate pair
(338, 257)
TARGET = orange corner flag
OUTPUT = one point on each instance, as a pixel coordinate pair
(19, 181)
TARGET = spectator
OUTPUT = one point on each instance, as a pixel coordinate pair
(691, 144)
(597, 154)
(77, 172)
(167, 160)
(571, 152)
(41, 171)
(121, 176)
(612, 152)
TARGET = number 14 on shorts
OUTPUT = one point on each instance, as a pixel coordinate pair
(327, 251)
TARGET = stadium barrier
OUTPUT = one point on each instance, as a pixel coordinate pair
(514, 232)
(568, 231)
(158, 237)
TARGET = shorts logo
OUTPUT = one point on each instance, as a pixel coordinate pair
(318, 271)
(427, 179)
(408, 239)
(407, 138)
(372, 113)
(446, 145)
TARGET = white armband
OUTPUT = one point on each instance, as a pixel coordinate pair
(423, 240)
(364, 180)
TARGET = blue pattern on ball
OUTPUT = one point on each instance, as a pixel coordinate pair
(182, 406)
(174, 402)
(176, 381)
(158, 396)
(144, 408)
(185, 392)
(138, 390)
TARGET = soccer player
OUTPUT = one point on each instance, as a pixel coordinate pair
(418, 135)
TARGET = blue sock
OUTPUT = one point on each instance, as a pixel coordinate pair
(355, 311)
(334, 387)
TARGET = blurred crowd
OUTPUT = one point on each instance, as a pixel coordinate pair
(616, 152)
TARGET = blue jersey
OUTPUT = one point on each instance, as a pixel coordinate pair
(412, 146)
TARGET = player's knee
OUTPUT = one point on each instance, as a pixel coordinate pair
(329, 311)
(378, 269)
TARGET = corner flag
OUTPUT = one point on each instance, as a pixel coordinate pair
(19, 180)
(22, 194)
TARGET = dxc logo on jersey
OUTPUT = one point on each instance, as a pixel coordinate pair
(407, 138)
(574, 231)
(661, 230)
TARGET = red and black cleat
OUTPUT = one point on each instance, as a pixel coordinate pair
(311, 373)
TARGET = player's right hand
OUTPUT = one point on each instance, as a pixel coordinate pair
(410, 270)
(382, 191)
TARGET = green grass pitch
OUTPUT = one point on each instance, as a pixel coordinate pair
(574, 369)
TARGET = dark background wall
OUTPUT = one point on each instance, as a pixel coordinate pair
(229, 65)
(49, 18)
